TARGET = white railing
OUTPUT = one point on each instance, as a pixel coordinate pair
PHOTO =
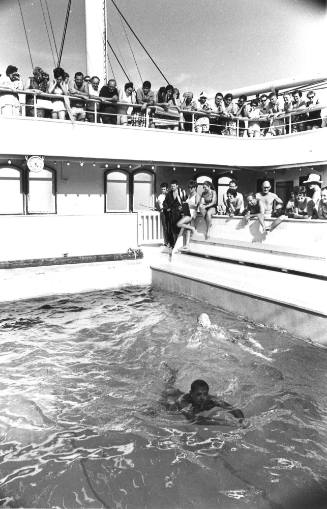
(173, 116)
(149, 227)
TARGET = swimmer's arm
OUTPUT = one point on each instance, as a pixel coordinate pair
(236, 412)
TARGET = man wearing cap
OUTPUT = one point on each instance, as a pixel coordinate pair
(314, 182)
(9, 101)
(202, 123)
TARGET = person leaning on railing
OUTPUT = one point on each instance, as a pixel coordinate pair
(58, 88)
(299, 119)
(109, 96)
(275, 110)
(92, 107)
(9, 99)
(126, 99)
(218, 121)
(314, 116)
(38, 83)
(145, 97)
(187, 105)
(320, 209)
(79, 89)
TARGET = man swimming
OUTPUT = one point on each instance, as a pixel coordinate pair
(198, 404)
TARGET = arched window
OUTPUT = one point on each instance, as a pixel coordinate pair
(223, 183)
(200, 180)
(41, 198)
(117, 191)
(11, 192)
(143, 190)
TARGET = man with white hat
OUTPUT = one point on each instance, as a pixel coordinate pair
(202, 123)
(314, 182)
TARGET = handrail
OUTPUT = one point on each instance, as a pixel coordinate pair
(150, 111)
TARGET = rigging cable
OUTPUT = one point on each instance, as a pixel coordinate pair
(64, 33)
(28, 45)
(131, 29)
(112, 49)
(112, 69)
(130, 47)
(51, 26)
(46, 27)
(119, 53)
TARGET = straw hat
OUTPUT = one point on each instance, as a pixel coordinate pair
(313, 178)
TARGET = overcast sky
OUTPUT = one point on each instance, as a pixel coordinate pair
(200, 45)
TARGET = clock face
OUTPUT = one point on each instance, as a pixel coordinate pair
(35, 163)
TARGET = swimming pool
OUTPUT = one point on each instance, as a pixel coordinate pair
(81, 426)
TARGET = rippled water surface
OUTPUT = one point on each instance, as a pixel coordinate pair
(81, 424)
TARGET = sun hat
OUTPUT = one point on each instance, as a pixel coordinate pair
(313, 178)
(203, 96)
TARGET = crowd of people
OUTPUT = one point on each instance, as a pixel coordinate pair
(178, 209)
(80, 98)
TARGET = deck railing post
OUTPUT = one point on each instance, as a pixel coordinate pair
(193, 123)
(34, 106)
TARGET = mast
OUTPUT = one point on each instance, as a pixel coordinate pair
(96, 38)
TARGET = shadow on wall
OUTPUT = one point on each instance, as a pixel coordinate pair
(253, 227)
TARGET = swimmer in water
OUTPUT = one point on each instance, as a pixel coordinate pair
(198, 404)
(204, 321)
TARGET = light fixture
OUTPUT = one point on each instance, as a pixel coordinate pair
(213, 171)
(68, 164)
(118, 165)
(231, 172)
(152, 167)
(93, 164)
(9, 162)
(174, 169)
(81, 163)
(130, 166)
(106, 165)
(194, 169)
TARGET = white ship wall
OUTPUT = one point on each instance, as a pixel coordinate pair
(79, 140)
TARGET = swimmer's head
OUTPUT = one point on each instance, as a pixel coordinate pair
(199, 392)
(204, 320)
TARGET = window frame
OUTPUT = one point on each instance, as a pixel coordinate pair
(22, 188)
(128, 187)
(153, 179)
(54, 191)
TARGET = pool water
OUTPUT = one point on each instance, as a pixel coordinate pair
(81, 423)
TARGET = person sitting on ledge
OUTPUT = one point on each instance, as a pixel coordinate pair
(320, 210)
(303, 204)
(208, 203)
(234, 205)
(198, 403)
(272, 205)
(254, 210)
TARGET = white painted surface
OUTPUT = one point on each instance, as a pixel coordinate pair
(293, 236)
(64, 139)
(96, 38)
(49, 236)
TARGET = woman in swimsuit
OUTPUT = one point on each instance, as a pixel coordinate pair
(208, 204)
(190, 207)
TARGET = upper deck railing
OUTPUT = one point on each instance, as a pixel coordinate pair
(32, 104)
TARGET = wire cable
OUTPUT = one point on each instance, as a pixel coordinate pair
(112, 69)
(46, 27)
(131, 29)
(112, 49)
(51, 26)
(130, 47)
(114, 40)
(64, 33)
(28, 45)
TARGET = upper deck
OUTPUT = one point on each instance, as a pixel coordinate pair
(22, 136)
